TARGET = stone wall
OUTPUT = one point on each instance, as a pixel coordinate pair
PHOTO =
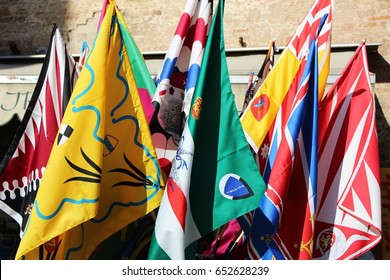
(25, 27)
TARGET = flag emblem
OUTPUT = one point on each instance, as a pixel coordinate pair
(64, 134)
(234, 187)
(196, 108)
(260, 107)
(93, 196)
(52, 244)
(110, 143)
(325, 240)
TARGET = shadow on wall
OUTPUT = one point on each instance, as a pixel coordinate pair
(378, 65)
(381, 68)
(383, 129)
(7, 132)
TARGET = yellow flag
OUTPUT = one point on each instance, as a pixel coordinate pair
(261, 111)
(103, 171)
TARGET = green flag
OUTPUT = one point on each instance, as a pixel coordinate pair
(143, 79)
(214, 177)
(141, 71)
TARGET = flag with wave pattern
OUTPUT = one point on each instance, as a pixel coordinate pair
(121, 245)
(103, 171)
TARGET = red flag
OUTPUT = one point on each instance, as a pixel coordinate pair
(348, 198)
(23, 166)
(294, 238)
(267, 140)
(293, 152)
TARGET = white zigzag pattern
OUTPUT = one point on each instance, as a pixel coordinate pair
(39, 116)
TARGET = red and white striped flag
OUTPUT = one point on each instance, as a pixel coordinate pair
(349, 196)
(83, 56)
(177, 78)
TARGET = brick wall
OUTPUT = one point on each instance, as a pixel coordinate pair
(27, 24)
(152, 22)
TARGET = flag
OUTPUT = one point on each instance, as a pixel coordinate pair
(261, 111)
(293, 170)
(249, 91)
(295, 235)
(214, 178)
(23, 166)
(256, 81)
(234, 229)
(103, 171)
(348, 221)
(177, 78)
(228, 243)
(130, 242)
(270, 95)
(143, 79)
(102, 13)
(83, 56)
(267, 66)
(138, 244)
(145, 84)
(122, 244)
